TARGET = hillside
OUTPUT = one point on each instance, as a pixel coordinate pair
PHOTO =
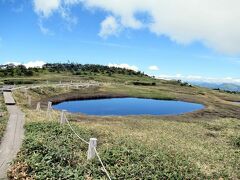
(197, 145)
(221, 86)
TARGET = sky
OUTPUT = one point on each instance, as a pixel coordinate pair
(184, 39)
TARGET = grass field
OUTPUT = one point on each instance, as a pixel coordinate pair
(199, 145)
(131, 148)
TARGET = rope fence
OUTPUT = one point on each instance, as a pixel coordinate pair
(57, 84)
(92, 144)
(75, 132)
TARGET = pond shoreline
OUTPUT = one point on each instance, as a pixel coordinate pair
(57, 100)
(208, 112)
(75, 96)
(90, 95)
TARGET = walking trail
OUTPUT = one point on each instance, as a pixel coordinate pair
(12, 140)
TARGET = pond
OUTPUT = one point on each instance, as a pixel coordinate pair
(128, 106)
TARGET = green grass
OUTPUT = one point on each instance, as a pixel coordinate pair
(131, 148)
(3, 124)
(3, 120)
(192, 146)
(52, 151)
(210, 146)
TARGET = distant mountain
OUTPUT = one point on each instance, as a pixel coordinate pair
(223, 86)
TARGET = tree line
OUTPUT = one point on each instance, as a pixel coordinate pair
(11, 70)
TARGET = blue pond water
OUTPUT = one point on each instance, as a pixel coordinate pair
(128, 106)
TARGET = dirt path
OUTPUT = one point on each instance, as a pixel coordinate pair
(12, 139)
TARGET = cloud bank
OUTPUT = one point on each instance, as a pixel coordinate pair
(126, 66)
(153, 68)
(194, 78)
(29, 64)
(214, 23)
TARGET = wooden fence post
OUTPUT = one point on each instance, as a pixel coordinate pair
(49, 109)
(91, 151)
(63, 119)
(49, 106)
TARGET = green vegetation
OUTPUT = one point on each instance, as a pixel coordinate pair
(51, 152)
(10, 74)
(131, 148)
(46, 156)
(79, 69)
(236, 141)
(11, 70)
(139, 83)
(199, 145)
(3, 117)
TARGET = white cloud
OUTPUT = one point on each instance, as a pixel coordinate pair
(214, 23)
(153, 68)
(29, 64)
(34, 64)
(46, 7)
(13, 62)
(109, 27)
(194, 78)
(126, 66)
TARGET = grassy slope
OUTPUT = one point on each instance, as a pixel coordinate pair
(67, 76)
(134, 147)
(209, 146)
(131, 147)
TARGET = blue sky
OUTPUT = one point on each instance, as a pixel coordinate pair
(100, 33)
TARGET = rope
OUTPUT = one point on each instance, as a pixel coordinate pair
(99, 158)
(105, 170)
(75, 131)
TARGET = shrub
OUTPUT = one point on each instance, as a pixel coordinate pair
(236, 142)
(140, 83)
(19, 81)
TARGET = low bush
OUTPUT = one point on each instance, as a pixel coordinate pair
(51, 151)
(140, 83)
(236, 141)
(18, 81)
